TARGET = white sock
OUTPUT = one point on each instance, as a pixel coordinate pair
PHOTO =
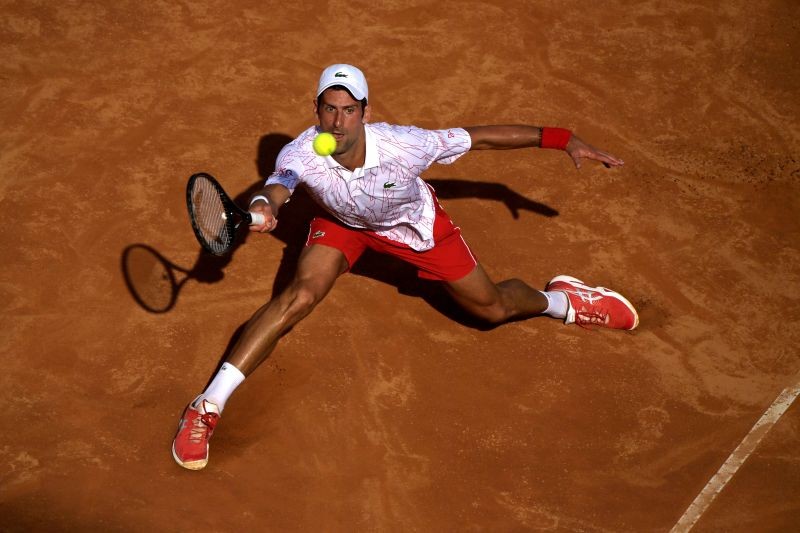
(222, 386)
(557, 304)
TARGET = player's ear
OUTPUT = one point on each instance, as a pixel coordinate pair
(316, 107)
(367, 114)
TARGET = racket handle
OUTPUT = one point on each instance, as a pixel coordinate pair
(257, 219)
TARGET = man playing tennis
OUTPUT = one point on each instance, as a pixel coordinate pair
(374, 197)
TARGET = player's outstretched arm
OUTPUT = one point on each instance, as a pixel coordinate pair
(518, 136)
(268, 201)
(504, 137)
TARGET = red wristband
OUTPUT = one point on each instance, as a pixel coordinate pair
(555, 138)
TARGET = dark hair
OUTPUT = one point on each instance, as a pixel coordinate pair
(342, 88)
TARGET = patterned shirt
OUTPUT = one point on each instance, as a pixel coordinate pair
(387, 195)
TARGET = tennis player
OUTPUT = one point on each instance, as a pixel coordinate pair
(374, 197)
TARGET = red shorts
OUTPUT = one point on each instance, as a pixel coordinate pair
(450, 258)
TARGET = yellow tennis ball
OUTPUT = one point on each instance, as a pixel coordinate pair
(324, 144)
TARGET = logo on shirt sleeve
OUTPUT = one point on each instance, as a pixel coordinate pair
(283, 172)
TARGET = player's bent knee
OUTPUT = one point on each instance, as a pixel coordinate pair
(303, 300)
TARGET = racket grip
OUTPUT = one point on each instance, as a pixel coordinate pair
(257, 219)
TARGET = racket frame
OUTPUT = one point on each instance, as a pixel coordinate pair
(232, 212)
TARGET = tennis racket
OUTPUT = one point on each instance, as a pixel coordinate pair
(215, 217)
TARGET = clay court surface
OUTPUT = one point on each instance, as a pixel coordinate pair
(388, 410)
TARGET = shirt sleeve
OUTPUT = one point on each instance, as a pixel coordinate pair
(288, 169)
(451, 144)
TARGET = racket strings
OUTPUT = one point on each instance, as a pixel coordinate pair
(210, 215)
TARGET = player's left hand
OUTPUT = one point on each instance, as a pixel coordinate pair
(579, 150)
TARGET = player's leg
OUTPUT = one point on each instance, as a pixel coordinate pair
(496, 302)
(564, 297)
(317, 270)
(451, 261)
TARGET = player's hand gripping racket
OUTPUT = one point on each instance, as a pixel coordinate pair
(215, 218)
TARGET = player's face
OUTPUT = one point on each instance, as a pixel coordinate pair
(340, 115)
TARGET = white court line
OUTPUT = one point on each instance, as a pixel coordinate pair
(739, 456)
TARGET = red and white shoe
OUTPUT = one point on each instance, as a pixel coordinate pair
(190, 446)
(594, 306)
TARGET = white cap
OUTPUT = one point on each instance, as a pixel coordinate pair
(347, 76)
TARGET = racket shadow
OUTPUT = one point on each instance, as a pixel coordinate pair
(155, 282)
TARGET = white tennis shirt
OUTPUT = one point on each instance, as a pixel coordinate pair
(387, 195)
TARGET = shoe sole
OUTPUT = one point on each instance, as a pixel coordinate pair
(603, 291)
